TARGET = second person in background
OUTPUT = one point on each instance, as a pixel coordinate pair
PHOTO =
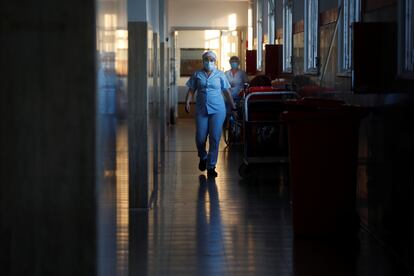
(236, 77)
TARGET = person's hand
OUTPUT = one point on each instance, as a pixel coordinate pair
(235, 114)
(187, 107)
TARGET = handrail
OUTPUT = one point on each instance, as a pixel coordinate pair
(246, 113)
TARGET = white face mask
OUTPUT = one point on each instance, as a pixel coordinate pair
(209, 65)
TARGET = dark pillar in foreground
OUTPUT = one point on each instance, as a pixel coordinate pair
(47, 190)
(138, 114)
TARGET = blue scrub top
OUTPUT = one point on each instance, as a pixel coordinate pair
(209, 90)
(237, 81)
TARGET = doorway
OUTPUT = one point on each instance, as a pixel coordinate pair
(190, 45)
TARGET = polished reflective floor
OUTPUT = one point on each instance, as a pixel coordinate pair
(221, 226)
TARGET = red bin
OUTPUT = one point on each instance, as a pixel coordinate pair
(323, 152)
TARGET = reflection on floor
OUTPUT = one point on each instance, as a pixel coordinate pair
(222, 226)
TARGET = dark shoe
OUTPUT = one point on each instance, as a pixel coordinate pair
(211, 173)
(202, 165)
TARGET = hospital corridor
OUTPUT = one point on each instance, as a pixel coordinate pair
(207, 138)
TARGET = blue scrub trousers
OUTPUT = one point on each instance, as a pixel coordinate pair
(210, 125)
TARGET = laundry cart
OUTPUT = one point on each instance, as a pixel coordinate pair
(265, 137)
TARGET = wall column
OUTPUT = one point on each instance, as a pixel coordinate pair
(47, 190)
(138, 114)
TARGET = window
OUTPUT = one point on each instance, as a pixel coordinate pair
(259, 32)
(350, 12)
(287, 36)
(311, 61)
(271, 21)
(406, 40)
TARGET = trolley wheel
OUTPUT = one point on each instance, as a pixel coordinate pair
(245, 170)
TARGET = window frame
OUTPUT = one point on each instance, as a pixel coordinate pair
(406, 40)
(311, 37)
(350, 13)
(287, 36)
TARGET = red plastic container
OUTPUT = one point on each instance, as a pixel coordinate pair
(323, 148)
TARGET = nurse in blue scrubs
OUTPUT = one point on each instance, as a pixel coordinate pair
(236, 77)
(210, 84)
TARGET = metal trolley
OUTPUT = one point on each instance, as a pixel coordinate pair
(264, 134)
(233, 129)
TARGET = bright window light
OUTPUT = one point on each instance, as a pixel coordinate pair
(259, 32)
(121, 39)
(311, 61)
(212, 39)
(350, 13)
(271, 21)
(287, 36)
(250, 29)
(232, 22)
(229, 47)
(109, 21)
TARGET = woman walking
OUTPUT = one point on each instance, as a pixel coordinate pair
(210, 84)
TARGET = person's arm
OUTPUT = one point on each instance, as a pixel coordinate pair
(188, 99)
(191, 84)
(226, 90)
(227, 94)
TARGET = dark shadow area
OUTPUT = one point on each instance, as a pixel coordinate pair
(325, 258)
(138, 242)
(385, 179)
